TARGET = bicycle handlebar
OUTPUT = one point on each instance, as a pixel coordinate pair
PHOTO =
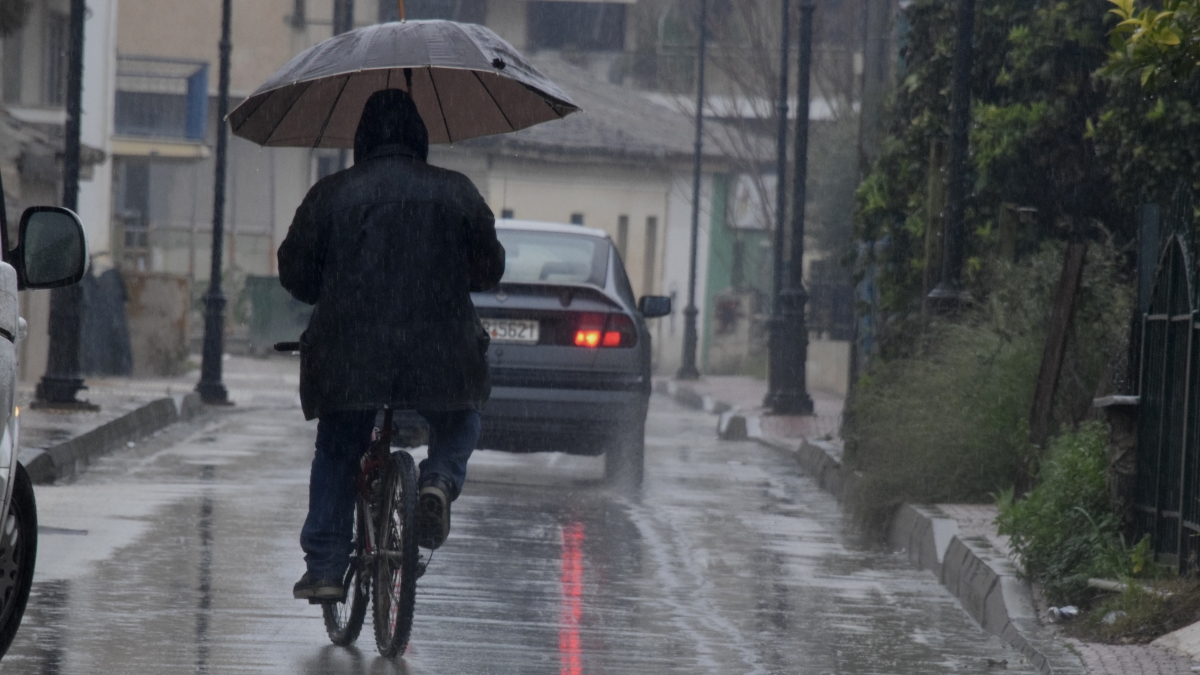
(287, 346)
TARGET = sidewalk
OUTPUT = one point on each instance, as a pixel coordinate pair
(57, 445)
(959, 543)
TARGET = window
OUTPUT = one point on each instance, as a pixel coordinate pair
(586, 26)
(651, 254)
(623, 235)
(553, 258)
(56, 59)
(577, 219)
(133, 206)
(161, 98)
(13, 45)
(468, 11)
(299, 14)
(506, 214)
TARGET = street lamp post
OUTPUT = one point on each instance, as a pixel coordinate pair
(63, 379)
(774, 334)
(210, 387)
(949, 293)
(789, 331)
(688, 370)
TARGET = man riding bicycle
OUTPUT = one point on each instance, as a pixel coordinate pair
(389, 251)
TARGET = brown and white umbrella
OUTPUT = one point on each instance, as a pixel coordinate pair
(465, 80)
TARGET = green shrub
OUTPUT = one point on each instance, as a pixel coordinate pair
(1065, 530)
(948, 420)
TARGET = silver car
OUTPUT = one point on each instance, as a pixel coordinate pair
(51, 252)
(570, 352)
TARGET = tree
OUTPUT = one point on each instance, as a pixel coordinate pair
(1161, 46)
(1033, 95)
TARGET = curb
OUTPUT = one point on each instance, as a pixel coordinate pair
(984, 581)
(69, 458)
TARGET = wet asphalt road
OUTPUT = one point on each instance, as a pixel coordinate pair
(178, 556)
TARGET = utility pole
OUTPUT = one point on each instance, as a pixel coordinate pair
(789, 338)
(774, 334)
(211, 388)
(63, 380)
(949, 294)
(688, 370)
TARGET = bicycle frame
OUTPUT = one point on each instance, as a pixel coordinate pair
(374, 461)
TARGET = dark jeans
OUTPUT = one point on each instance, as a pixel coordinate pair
(342, 438)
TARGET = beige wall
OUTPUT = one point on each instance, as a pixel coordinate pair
(601, 193)
(507, 18)
(262, 37)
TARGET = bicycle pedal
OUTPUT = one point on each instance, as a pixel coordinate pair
(421, 568)
(325, 601)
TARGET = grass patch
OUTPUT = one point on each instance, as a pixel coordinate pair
(1065, 531)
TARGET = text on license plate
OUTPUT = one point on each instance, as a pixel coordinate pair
(509, 330)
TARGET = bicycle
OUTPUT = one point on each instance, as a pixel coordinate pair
(384, 557)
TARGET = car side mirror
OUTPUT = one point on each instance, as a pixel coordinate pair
(51, 248)
(654, 306)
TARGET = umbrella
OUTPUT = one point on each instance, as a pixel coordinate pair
(465, 79)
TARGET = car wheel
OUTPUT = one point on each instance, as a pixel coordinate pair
(18, 552)
(625, 456)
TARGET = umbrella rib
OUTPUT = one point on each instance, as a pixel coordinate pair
(445, 124)
(289, 111)
(261, 102)
(332, 109)
(494, 101)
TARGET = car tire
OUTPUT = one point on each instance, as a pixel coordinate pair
(18, 552)
(625, 457)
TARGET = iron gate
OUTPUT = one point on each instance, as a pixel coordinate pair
(1168, 435)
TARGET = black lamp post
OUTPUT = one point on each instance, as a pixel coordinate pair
(949, 293)
(63, 379)
(211, 388)
(774, 334)
(688, 370)
(787, 390)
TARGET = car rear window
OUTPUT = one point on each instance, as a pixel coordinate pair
(553, 258)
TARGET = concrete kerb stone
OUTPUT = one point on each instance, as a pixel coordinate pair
(984, 581)
(69, 458)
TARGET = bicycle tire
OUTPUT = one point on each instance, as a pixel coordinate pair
(18, 553)
(395, 587)
(344, 620)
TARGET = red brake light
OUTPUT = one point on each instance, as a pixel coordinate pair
(594, 330)
(587, 338)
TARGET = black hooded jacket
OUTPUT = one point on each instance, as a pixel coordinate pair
(389, 251)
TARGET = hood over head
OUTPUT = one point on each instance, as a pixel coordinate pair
(390, 117)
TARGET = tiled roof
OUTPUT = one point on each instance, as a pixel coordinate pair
(619, 123)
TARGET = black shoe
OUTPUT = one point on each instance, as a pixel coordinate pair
(320, 590)
(433, 512)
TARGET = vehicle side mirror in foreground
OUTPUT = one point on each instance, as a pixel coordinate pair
(654, 306)
(51, 248)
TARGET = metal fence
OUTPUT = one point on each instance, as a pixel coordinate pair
(1167, 502)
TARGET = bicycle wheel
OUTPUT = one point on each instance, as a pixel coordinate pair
(396, 567)
(344, 620)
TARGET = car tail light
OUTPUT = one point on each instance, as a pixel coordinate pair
(600, 330)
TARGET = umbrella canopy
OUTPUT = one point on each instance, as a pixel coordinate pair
(465, 80)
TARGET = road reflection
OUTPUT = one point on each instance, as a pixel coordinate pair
(572, 600)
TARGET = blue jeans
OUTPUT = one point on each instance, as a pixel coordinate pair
(342, 438)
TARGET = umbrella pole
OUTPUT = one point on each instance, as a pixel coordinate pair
(401, 5)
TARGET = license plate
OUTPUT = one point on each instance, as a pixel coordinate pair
(509, 330)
